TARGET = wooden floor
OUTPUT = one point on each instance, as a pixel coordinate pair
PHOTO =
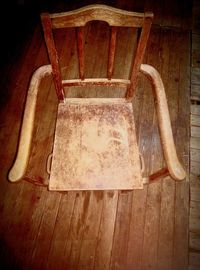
(140, 229)
(194, 219)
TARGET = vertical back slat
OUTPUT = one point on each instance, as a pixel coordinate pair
(81, 55)
(139, 55)
(112, 49)
(53, 56)
(96, 12)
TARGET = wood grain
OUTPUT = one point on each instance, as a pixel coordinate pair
(175, 168)
(112, 49)
(46, 23)
(81, 56)
(19, 168)
(139, 55)
(182, 191)
(73, 227)
(113, 16)
(194, 224)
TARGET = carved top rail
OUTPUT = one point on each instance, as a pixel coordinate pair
(113, 16)
(78, 18)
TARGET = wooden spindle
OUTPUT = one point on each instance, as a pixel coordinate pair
(112, 49)
(139, 54)
(53, 56)
(80, 48)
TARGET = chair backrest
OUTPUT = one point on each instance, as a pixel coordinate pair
(78, 19)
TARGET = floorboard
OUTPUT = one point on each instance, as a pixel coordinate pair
(194, 218)
(140, 229)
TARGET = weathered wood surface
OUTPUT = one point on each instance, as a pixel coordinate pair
(98, 230)
(195, 17)
(79, 18)
(112, 50)
(167, 13)
(195, 68)
(81, 55)
(175, 168)
(113, 16)
(82, 16)
(194, 218)
(20, 166)
(102, 151)
(53, 56)
(141, 48)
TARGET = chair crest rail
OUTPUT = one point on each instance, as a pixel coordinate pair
(113, 16)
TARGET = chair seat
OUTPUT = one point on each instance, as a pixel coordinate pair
(95, 146)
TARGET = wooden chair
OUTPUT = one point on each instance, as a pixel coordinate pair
(95, 146)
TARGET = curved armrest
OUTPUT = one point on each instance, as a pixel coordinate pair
(18, 169)
(175, 168)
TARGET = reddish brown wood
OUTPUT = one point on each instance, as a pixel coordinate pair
(139, 54)
(95, 12)
(80, 48)
(113, 16)
(96, 81)
(22, 208)
(161, 173)
(112, 49)
(100, 166)
(53, 57)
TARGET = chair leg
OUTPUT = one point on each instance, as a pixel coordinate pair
(19, 168)
(173, 165)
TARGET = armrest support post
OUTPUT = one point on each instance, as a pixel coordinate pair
(19, 168)
(175, 168)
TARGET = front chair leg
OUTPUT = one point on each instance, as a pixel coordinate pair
(173, 165)
(19, 168)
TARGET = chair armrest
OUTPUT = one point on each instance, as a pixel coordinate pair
(19, 168)
(175, 168)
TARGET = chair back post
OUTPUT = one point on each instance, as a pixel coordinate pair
(78, 19)
(141, 48)
(53, 56)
